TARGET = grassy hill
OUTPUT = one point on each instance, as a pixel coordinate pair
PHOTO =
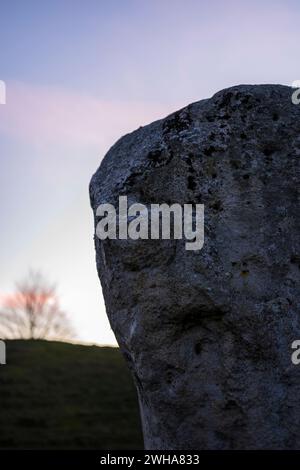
(61, 396)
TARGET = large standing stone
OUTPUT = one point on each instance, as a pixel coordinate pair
(208, 334)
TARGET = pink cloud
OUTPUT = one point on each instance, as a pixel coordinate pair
(44, 114)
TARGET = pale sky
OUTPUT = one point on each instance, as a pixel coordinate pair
(80, 74)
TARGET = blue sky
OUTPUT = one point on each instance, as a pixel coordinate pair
(80, 74)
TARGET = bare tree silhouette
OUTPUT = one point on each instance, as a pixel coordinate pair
(33, 311)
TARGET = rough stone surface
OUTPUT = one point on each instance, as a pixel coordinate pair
(208, 334)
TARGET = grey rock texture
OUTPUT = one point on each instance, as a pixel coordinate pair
(208, 334)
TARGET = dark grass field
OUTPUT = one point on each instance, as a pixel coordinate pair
(61, 396)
